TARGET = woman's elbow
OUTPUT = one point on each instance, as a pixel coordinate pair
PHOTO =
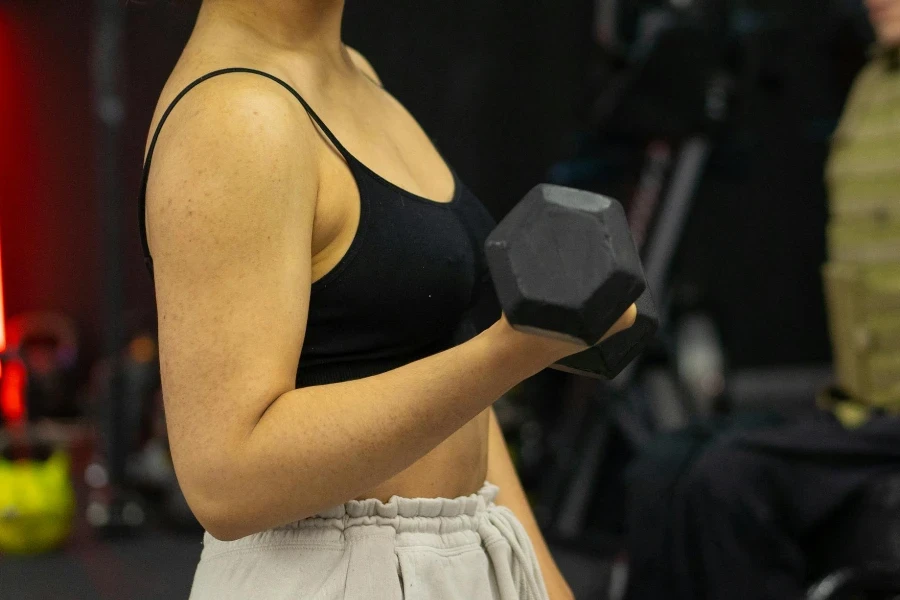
(216, 507)
(229, 516)
(213, 513)
(230, 504)
(223, 532)
(227, 524)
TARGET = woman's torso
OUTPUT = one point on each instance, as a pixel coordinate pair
(385, 138)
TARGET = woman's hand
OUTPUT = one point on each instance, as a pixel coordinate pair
(551, 350)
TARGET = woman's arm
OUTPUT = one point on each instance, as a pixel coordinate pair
(502, 473)
(231, 208)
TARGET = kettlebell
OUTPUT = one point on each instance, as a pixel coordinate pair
(37, 500)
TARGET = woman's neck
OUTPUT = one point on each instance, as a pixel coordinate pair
(303, 26)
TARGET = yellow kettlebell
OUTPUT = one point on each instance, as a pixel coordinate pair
(37, 503)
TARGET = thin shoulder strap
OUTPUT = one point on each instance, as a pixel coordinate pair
(142, 198)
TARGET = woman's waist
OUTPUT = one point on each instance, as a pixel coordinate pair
(442, 495)
(442, 523)
(456, 467)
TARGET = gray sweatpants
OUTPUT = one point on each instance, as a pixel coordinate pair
(466, 548)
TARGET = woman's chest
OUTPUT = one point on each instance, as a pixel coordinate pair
(412, 265)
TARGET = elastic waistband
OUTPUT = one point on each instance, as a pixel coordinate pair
(408, 508)
(444, 522)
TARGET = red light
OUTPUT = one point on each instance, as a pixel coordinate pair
(18, 190)
(2, 311)
(12, 392)
(10, 136)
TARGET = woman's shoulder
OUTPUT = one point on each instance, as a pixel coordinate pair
(236, 79)
(218, 90)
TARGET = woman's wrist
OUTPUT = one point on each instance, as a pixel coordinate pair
(522, 352)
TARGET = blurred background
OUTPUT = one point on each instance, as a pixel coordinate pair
(709, 119)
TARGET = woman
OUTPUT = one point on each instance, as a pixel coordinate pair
(309, 279)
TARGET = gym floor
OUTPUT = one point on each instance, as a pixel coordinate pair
(159, 565)
(154, 566)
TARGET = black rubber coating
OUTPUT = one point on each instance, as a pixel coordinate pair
(564, 264)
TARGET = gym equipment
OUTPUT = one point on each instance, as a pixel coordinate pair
(13, 388)
(855, 554)
(700, 362)
(564, 265)
(37, 500)
(153, 474)
(875, 582)
(138, 383)
(617, 352)
(592, 437)
(47, 344)
(113, 511)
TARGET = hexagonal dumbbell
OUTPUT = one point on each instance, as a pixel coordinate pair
(564, 265)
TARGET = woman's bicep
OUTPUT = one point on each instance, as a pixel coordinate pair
(230, 208)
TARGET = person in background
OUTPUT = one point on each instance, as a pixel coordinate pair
(749, 514)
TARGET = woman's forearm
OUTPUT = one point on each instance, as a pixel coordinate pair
(319, 446)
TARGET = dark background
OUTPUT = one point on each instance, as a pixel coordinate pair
(502, 87)
(509, 91)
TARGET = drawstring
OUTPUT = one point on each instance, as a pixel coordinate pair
(511, 529)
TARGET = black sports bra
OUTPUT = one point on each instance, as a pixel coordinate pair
(413, 282)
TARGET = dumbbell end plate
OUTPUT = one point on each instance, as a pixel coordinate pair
(608, 358)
